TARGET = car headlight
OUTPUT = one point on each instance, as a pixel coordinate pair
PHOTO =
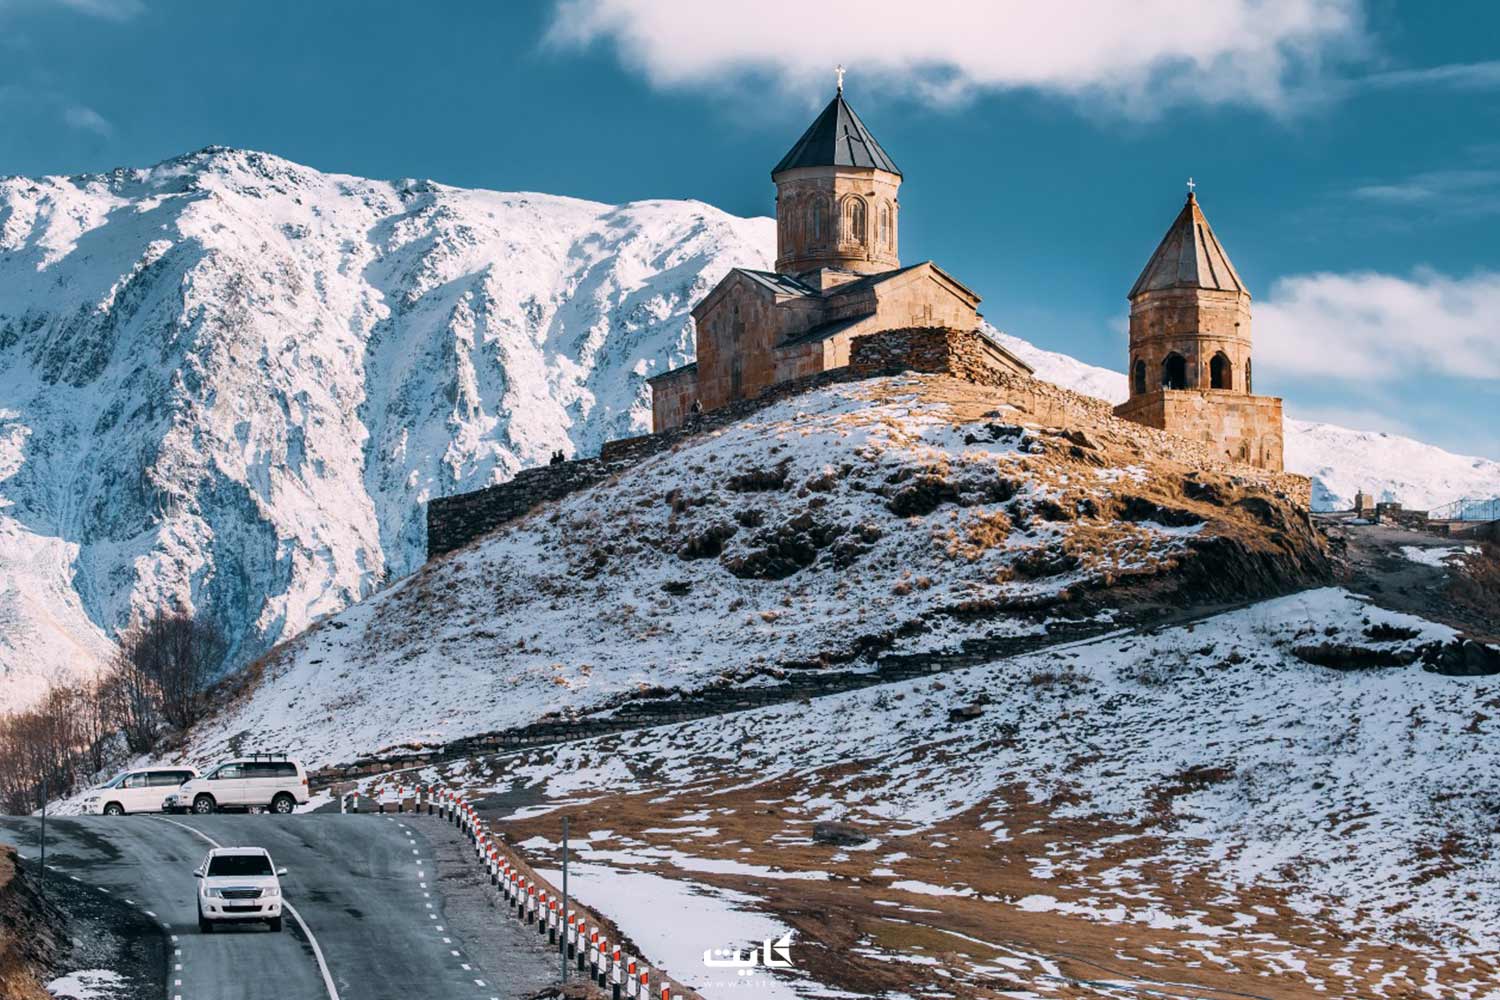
(273, 891)
(213, 893)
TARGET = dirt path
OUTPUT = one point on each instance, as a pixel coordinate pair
(1377, 562)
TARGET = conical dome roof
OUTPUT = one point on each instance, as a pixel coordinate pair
(1189, 256)
(837, 138)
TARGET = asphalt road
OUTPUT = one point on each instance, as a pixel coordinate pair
(366, 889)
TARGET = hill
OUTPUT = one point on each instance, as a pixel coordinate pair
(879, 518)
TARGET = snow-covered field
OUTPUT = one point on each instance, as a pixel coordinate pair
(230, 382)
(1202, 795)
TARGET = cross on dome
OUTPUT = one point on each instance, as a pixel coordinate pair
(839, 72)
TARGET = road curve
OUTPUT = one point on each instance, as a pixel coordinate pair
(364, 887)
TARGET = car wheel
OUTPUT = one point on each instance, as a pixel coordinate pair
(275, 923)
(203, 805)
(114, 809)
(283, 804)
(204, 926)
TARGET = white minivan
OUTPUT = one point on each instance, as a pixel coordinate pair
(262, 781)
(139, 791)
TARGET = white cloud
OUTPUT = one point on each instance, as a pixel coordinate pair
(1142, 56)
(1453, 76)
(113, 10)
(1381, 327)
(1463, 192)
(87, 120)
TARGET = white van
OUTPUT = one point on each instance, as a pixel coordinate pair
(140, 791)
(265, 781)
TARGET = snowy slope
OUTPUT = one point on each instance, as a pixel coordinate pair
(1341, 462)
(229, 381)
(1167, 786)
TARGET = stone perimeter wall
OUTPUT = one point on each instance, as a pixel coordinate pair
(453, 522)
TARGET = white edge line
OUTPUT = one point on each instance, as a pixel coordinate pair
(333, 991)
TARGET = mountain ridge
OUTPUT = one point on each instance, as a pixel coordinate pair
(231, 381)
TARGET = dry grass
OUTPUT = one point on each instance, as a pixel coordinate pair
(17, 981)
(948, 941)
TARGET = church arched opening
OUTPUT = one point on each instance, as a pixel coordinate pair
(854, 220)
(1220, 372)
(1174, 372)
(1139, 376)
(1247, 376)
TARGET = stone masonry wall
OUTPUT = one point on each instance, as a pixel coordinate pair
(453, 522)
(964, 354)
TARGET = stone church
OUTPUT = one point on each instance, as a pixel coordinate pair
(1190, 366)
(838, 278)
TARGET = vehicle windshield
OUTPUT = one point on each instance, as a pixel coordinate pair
(115, 782)
(240, 865)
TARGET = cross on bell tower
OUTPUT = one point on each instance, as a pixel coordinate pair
(839, 72)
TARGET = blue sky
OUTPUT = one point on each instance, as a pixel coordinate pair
(1347, 153)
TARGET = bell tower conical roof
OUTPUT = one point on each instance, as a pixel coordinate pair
(837, 138)
(1189, 256)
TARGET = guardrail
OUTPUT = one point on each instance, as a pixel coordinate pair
(1468, 509)
(580, 934)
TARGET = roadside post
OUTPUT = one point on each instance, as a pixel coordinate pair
(46, 788)
(567, 945)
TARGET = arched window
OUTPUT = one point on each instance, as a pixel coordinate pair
(1140, 377)
(1247, 376)
(1174, 372)
(854, 220)
(1220, 372)
(885, 224)
(815, 224)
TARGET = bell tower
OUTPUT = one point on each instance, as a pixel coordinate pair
(836, 198)
(1190, 365)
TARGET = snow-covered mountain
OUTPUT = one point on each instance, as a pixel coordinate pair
(230, 382)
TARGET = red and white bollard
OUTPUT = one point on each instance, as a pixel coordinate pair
(615, 979)
(666, 991)
(594, 954)
(583, 945)
(645, 991)
(603, 975)
(630, 978)
(541, 924)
